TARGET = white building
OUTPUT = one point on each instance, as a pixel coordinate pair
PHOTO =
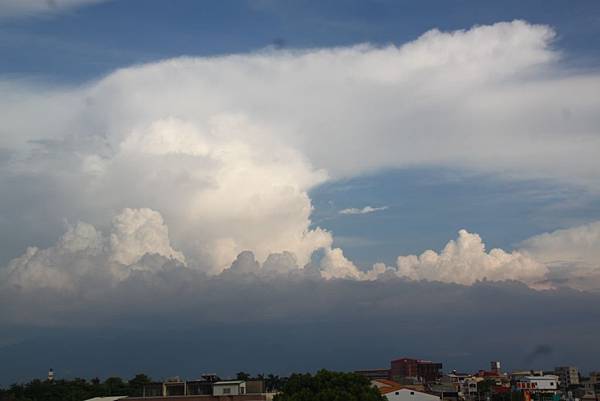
(394, 391)
(537, 383)
(229, 387)
(405, 394)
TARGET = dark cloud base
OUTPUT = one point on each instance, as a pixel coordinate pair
(186, 324)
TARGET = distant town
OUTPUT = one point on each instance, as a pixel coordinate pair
(406, 379)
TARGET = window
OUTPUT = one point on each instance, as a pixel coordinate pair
(397, 393)
(226, 390)
(412, 393)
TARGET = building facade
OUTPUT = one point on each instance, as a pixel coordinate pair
(539, 388)
(229, 387)
(567, 375)
(425, 371)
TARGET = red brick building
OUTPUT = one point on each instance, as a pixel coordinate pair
(425, 371)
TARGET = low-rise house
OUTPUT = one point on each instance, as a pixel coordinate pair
(229, 387)
(395, 391)
(405, 394)
(446, 392)
(174, 386)
(209, 387)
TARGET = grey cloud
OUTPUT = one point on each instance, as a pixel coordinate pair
(294, 322)
(541, 350)
(276, 316)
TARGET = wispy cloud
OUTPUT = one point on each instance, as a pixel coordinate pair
(28, 8)
(364, 210)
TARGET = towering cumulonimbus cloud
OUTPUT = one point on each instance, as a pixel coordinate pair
(226, 150)
(138, 232)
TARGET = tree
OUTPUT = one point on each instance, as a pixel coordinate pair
(328, 386)
(137, 384)
(242, 376)
(73, 390)
(273, 382)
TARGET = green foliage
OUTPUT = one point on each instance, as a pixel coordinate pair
(274, 382)
(328, 386)
(73, 390)
(323, 386)
(242, 376)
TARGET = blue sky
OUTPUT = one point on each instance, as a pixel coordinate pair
(426, 207)
(91, 41)
(278, 168)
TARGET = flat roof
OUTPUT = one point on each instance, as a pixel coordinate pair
(229, 382)
(119, 397)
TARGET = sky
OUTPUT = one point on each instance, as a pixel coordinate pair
(185, 173)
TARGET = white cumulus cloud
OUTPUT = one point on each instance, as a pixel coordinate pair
(85, 259)
(465, 261)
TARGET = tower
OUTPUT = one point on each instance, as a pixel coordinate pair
(495, 367)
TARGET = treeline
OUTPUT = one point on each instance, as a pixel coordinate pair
(74, 390)
(323, 386)
(328, 386)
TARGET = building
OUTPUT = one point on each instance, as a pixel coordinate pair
(390, 383)
(589, 386)
(174, 386)
(373, 374)
(540, 383)
(495, 367)
(229, 387)
(208, 387)
(540, 388)
(495, 373)
(444, 391)
(464, 383)
(405, 394)
(567, 375)
(119, 397)
(394, 391)
(424, 371)
(199, 387)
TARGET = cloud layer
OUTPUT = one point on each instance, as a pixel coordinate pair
(86, 259)
(204, 165)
